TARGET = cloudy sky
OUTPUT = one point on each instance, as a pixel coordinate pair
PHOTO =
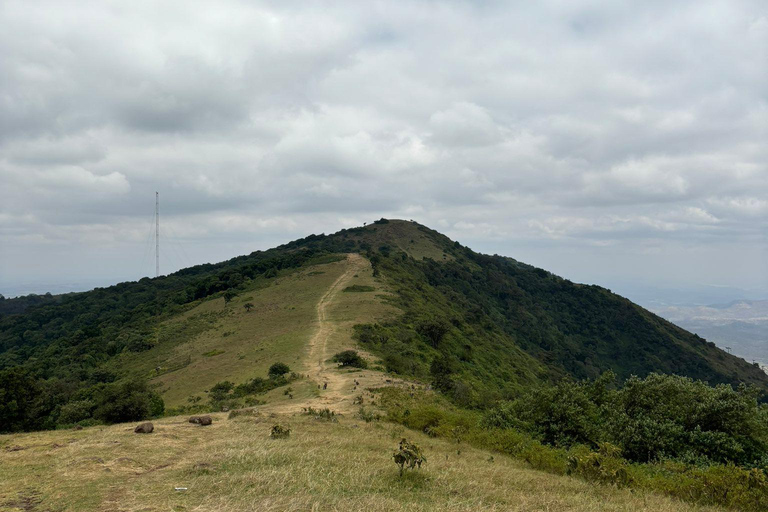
(611, 142)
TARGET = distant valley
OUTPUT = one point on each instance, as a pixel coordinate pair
(741, 325)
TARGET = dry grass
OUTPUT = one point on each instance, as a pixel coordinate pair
(234, 465)
(241, 345)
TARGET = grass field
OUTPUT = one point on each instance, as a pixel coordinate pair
(234, 465)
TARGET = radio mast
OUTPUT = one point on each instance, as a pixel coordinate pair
(157, 234)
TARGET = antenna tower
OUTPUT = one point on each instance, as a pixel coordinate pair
(157, 234)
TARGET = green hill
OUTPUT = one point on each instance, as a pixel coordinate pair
(480, 327)
(363, 323)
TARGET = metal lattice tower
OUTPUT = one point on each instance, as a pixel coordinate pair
(157, 234)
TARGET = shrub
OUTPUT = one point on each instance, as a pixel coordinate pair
(604, 465)
(408, 456)
(127, 401)
(278, 370)
(321, 414)
(237, 413)
(350, 358)
(75, 411)
(359, 288)
(279, 432)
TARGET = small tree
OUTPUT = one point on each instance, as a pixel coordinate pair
(228, 296)
(248, 306)
(278, 370)
(350, 358)
(408, 456)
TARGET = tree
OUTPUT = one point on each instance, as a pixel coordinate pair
(128, 401)
(434, 330)
(18, 392)
(350, 358)
(278, 370)
(248, 306)
(228, 296)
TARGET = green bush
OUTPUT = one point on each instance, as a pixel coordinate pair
(278, 370)
(127, 401)
(659, 417)
(75, 411)
(350, 358)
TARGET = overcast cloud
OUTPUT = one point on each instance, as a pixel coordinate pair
(603, 140)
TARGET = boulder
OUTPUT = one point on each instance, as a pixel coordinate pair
(144, 428)
(201, 420)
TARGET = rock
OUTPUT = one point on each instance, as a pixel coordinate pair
(144, 428)
(201, 420)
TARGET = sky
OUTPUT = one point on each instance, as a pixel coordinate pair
(617, 143)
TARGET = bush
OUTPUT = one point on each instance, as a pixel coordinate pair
(278, 370)
(604, 465)
(408, 456)
(350, 358)
(321, 414)
(127, 401)
(76, 411)
(279, 432)
(659, 417)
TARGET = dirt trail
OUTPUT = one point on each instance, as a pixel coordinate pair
(316, 367)
(337, 388)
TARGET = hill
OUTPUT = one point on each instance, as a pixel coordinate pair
(480, 327)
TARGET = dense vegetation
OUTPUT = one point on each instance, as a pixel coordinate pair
(709, 444)
(61, 347)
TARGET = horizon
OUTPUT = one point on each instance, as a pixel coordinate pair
(620, 145)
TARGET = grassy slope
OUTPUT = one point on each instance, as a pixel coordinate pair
(234, 465)
(213, 342)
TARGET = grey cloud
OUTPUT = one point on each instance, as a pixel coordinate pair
(631, 127)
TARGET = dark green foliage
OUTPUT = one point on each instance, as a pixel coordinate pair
(18, 400)
(220, 391)
(229, 295)
(659, 417)
(278, 370)
(359, 288)
(566, 414)
(350, 358)
(127, 401)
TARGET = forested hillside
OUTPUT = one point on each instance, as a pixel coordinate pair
(480, 327)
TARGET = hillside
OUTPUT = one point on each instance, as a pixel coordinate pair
(480, 327)
(233, 465)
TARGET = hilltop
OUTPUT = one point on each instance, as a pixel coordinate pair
(482, 327)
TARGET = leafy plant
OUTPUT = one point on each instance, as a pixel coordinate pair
(279, 432)
(408, 456)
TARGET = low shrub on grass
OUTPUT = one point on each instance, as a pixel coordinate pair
(350, 358)
(279, 432)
